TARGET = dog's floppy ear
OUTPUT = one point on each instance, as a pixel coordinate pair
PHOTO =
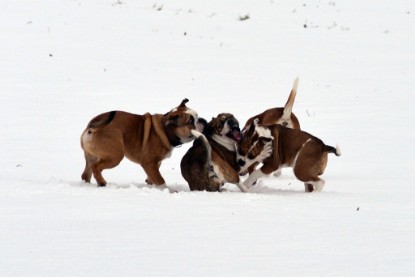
(171, 120)
(252, 127)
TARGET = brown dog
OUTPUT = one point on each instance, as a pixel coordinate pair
(144, 139)
(306, 154)
(283, 116)
(211, 161)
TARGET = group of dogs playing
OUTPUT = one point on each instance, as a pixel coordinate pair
(221, 151)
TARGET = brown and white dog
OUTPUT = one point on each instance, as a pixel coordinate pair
(306, 154)
(144, 139)
(211, 161)
(283, 116)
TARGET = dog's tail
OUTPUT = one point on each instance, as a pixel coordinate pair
(202, 138)
(100, 121)
(331, 149)
(290, 102)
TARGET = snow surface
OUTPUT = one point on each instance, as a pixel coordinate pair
(63, 62)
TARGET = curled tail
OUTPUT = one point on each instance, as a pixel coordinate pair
(331, 149)
(100, 121)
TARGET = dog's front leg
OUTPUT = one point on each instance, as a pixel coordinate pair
(242, 187)
(253, 178)
(153, 173)
(265, 153)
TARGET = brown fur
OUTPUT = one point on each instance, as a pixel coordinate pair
(294, 148)
(144, 139)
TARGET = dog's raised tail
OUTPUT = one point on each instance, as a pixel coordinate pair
(290, 102)
(336, 151)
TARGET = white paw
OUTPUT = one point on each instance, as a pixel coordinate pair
(266, 152)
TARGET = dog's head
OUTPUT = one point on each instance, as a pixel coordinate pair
(179, 123)
(255, 138)
(226, 126)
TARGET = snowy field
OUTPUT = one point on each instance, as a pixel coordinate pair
(62, 62)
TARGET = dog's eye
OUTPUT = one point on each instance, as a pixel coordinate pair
(191, 121)
(251, 156)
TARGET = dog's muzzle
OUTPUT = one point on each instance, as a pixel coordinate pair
(235, 133)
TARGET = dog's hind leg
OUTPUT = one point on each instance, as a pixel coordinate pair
(102, 164)
(316, 185)
(87, 174)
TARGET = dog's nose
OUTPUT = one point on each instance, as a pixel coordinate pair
(236, 128)
(241, 162)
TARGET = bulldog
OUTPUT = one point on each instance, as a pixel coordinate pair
(145, 139)
(283, 116)
(306, 154)
(211, 161)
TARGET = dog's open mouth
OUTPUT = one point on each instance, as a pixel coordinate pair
(235, 134)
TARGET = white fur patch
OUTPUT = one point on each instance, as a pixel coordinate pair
(318, 185)
(188, 110)
(253, 177)
(298, 153)
(192, 112)
(338, 151)
(86, 137)
(286, 120)
(196, 133)
(263, 132)
(216, 169)
(226, 142)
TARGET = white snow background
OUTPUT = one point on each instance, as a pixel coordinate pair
(63, 62)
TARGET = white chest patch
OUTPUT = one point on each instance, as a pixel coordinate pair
(225, 142)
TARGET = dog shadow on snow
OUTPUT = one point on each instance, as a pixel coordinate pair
(277, 186)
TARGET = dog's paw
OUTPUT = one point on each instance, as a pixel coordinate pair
(266, 151)
(242, 187)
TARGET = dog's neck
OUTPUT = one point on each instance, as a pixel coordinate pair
(225, 142)
(173, 139)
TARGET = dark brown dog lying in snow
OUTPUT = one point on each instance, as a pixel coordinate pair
(306, 154)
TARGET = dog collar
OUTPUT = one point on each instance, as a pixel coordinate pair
(173, 139)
